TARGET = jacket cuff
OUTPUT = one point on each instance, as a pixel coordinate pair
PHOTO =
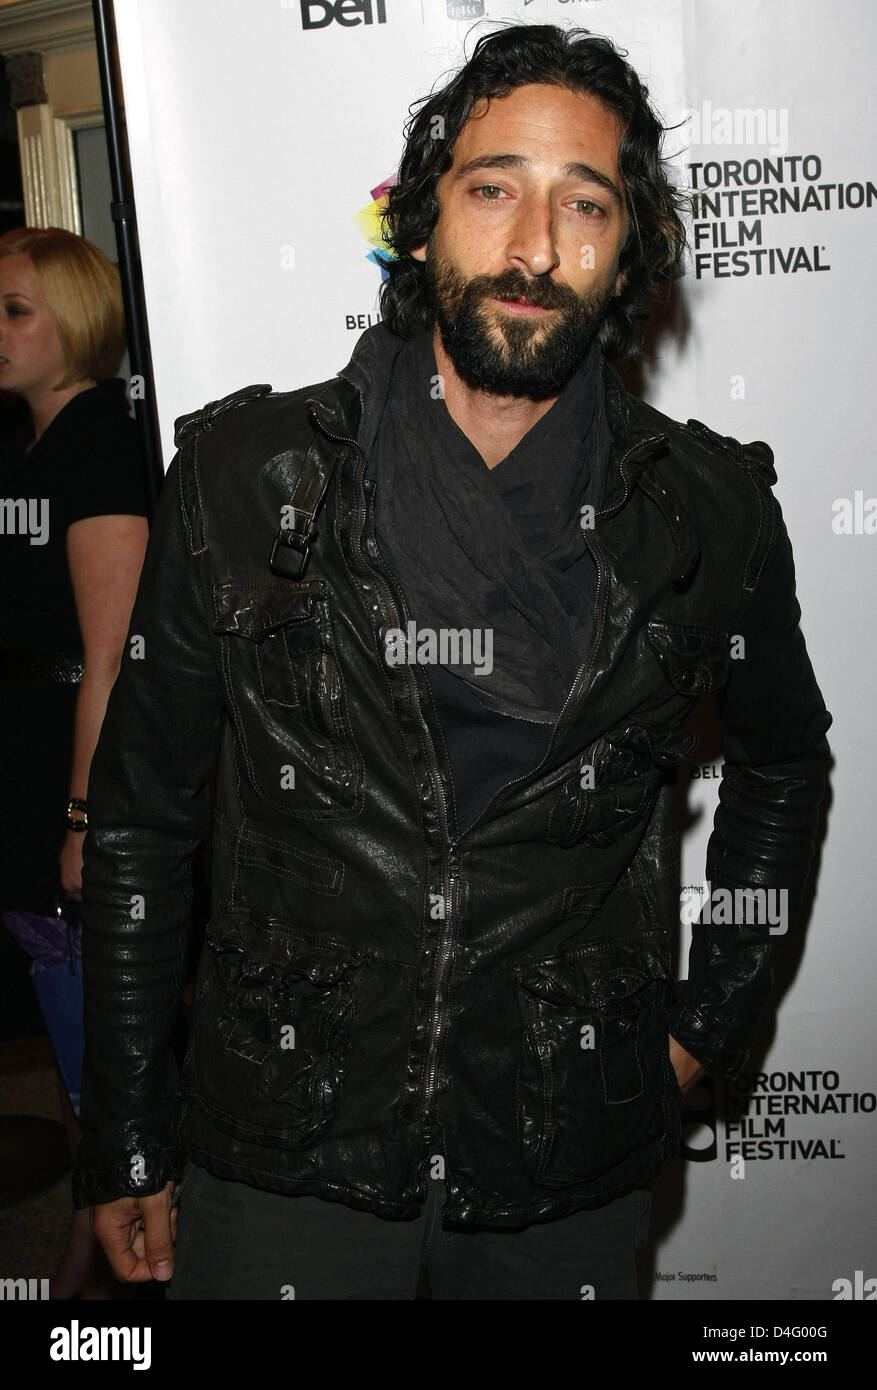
(145, 1169)
(705, 1041)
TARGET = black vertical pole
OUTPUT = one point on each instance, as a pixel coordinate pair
(122, 210)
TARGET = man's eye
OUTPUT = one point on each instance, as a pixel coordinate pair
(586, 207)
(490, 192)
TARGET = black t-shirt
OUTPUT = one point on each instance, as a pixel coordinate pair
(87, 463)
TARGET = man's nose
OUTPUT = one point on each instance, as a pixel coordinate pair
(532, 243)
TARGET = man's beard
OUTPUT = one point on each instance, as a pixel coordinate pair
(532, 357)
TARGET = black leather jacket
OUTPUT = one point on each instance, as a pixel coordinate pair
(377, 988)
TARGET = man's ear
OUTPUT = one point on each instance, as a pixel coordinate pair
(620, 281)
(419, 252)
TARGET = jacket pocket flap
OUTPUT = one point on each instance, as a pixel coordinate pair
(254, 610)
(608, 981)
(695, 659)
(273, 951)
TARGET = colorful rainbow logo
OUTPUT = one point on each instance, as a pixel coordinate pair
(368, 224)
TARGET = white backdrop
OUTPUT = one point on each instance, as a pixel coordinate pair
(259, 132)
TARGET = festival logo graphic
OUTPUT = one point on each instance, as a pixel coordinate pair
(368, 224)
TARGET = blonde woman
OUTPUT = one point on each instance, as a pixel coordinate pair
(73, 537)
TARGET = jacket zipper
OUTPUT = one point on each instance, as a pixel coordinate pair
(444, 957)
(400, 617)
(445, 950)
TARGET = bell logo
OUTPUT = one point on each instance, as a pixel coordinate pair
(318, 14)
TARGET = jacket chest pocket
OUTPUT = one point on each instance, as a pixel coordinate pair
(694, 658)
(286, 692)
(614, 787)
(594, 1072)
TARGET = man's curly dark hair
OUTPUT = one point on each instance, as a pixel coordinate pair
(502, 61)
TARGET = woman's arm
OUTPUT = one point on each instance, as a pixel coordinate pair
(105, 555)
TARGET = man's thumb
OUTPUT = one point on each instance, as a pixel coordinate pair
(157, 1241)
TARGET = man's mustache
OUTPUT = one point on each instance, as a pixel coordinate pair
(540, 292)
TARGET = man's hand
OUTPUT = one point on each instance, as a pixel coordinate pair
(687, 1068)
(138, 1234)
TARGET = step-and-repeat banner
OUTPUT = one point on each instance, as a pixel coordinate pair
(262, 137)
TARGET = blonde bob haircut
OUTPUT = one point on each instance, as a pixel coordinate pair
(84, 295)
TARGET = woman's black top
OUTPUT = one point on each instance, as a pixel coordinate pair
(87, 463)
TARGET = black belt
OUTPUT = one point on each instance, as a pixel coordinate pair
(25, 664)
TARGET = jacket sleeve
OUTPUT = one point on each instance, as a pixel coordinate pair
(775, 769)
(148, 806)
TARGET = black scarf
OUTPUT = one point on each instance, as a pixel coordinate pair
(490, 549)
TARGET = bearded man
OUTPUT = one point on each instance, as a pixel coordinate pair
(437, 627)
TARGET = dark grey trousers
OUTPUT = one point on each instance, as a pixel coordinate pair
(238, 1242)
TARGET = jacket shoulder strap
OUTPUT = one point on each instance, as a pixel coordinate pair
(332, 409)
(189, 425)
(756, 457)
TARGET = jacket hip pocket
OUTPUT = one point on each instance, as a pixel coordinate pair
(271, 1034)
(593, 1069)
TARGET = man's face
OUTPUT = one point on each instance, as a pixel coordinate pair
(523, 261)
